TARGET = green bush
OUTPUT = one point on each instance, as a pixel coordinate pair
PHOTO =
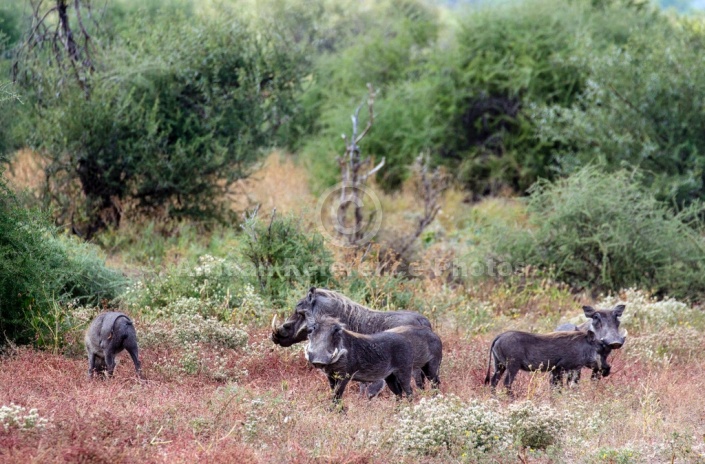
(286, 258)
(177, 110)
(603, 232)
(41, 271)
(447, 425)
(462, 90)
(642, 107)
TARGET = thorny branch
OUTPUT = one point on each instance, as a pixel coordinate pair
(431, 185)
(51, 29)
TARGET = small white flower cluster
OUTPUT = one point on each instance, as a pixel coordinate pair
(536, 426)
(208, 266)
(266, 416)
(182, 322)
(446, 424)
(15, 416)
(81, 316)
(212, 278)
(669, 344)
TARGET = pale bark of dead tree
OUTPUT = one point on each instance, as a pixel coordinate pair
(354, 174)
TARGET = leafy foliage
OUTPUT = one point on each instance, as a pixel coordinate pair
(176, 113)
(642, 107)
(39, 267)
(604, 232)
(285, 257)
(464, 95)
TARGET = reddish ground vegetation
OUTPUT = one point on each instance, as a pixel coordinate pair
(280, 411)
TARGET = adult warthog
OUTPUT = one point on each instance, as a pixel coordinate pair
(556, 352)
(356, 317)
(345, 355)
(605, 324)
(108, 335)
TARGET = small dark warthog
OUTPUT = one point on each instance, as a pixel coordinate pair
(108, 335)
(322, 302)
(556, 352)
(605, 324)
(344, 355)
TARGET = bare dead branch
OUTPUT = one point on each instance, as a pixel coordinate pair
(51, 29)
(352, 167)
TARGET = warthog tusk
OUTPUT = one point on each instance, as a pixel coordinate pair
(274, 323)
(337, 355)
(624, 333)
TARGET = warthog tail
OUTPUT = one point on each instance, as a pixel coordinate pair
(489, 361)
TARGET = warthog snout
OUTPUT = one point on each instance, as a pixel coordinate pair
(322, 359)
(615, 342)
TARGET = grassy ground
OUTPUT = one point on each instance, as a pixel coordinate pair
(279, 411)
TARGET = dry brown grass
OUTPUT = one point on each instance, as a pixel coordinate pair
(26, 172)
(279, 183)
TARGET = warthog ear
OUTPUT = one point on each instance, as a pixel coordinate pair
(589, 311)
(591, 336)
(618, 310)
(311, 294)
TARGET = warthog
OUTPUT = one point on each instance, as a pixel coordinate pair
(605, 324)
(556, 352)
(108, 335)
(356, 317)
(345, 355)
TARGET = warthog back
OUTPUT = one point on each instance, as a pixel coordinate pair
(109, 334)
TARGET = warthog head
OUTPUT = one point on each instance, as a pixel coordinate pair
(294, 328)
(325, 346)
(605, 324)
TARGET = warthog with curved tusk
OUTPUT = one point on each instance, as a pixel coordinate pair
(556, 352)
(345, 355)
(357, 318)
(605, 324)
(108, 335)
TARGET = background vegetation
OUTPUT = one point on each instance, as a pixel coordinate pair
(175, 172)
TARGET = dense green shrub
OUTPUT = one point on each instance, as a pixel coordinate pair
(177, 110)
(604, 232)
(387, 45)
(464, 94)
(285, 257)
(40, 269)
(642, 107)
